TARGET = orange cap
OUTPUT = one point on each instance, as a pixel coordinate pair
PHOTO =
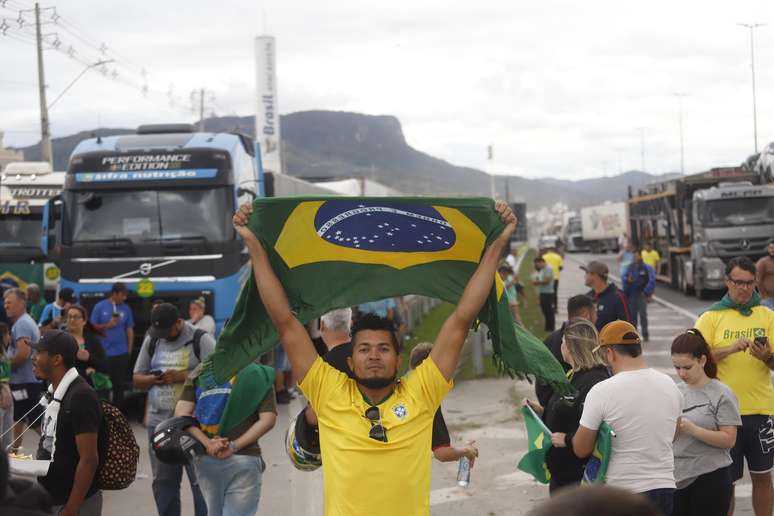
(618, 333)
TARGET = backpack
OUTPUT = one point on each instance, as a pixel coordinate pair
(118, 466)
(197, 349)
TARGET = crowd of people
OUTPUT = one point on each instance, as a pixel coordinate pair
(681, 446)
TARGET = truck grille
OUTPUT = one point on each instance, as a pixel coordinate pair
(752, 247)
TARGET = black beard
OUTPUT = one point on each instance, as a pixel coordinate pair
(375, 383)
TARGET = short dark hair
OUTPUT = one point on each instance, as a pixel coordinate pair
(119, 287)
(742, 262)
(629, 350)
(370, 321)
(539, 259)
(576, 304)
(595, 501)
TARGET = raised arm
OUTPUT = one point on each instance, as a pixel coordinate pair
(448, 344)
(292, 333)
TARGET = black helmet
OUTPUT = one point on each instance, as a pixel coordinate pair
(172, 444)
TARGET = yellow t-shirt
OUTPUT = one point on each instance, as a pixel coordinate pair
(555, 261)
(748, 377)
(651, 258)
(363, 476)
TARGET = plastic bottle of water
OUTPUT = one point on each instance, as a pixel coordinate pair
(463, 472)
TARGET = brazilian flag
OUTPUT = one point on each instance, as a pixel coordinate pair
(596, 467)
(539, 442)
(342, 251)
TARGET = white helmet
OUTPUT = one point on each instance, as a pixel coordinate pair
(303, 459)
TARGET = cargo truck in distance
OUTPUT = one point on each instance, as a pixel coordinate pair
(573, 235)
(25, 188)
(699, 222)
(603, 225)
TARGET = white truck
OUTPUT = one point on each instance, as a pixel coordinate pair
(602, 226)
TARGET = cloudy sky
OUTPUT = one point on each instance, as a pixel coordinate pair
(559, 88)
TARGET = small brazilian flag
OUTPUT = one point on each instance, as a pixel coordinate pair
(539, 441)
(596, 467)
(338, 252)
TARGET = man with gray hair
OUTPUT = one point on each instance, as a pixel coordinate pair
(334, 333)
(25, 388)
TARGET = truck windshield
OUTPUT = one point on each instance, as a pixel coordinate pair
(734, 212)
(202, 214)
(574, 226)
(20, 231)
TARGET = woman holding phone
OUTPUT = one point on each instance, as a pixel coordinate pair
(706, 431)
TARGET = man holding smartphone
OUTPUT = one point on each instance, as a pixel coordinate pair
(737, 329)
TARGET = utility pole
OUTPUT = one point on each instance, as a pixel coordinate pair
(201, 110)
(752, 27)
(200, 93)
(682, 141)
(490, 156)
(45, 133)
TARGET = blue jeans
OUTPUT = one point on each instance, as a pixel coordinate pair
(638, 307)
(232, 487)
(664, 499)
(166, 485)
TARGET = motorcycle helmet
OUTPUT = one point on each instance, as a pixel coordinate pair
(172, 444)
(301, 445)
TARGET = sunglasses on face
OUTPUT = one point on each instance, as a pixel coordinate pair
(378, 432)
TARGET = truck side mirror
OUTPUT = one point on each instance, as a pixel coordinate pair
(244, 191)
(52, 218)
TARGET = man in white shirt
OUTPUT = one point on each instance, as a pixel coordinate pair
(642, 407)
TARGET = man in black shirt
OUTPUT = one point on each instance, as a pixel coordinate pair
(441, 442)
(72, 428)
(580, 306)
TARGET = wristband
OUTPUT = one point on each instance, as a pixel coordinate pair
(232, 445)
(568, 441)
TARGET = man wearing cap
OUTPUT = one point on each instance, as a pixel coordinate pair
(113, 317)
(642, 407)
(611, 302)
(72, 432)
(51, 316)
(167, 356)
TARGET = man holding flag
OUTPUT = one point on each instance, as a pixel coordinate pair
(375, 430)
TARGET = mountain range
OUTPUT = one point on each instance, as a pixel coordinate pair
(329, 144)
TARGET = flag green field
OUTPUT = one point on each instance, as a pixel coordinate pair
(342, 251)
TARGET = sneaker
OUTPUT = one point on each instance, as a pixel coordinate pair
(284, 397)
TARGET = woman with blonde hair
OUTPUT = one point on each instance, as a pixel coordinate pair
(562, 413)
(198, 318)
